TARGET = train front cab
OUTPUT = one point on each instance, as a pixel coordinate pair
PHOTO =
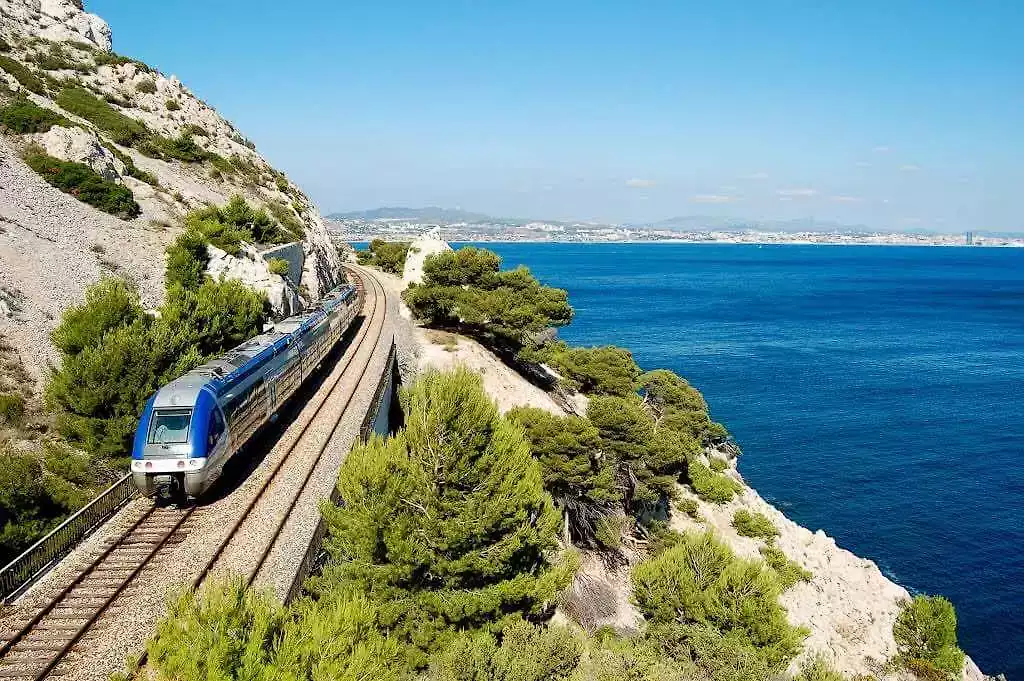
(179, 450)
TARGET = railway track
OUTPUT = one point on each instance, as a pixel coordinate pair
(38, 647)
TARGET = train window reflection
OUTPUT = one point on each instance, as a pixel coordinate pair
(170, 426)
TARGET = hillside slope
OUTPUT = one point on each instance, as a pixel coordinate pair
(138, 129)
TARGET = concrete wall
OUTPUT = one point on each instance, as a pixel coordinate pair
(295, 256)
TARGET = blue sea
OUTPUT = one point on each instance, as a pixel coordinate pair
(877, 392)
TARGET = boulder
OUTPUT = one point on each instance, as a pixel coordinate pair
(80, 146)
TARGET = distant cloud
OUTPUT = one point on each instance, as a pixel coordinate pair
(639, 183)
(910, 168)
(797, 193)
(881, 150)
(713, 198)
(755, 176)
(846, 199)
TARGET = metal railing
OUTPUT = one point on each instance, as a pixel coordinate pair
(58, 543)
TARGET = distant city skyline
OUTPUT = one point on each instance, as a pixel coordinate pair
(898, 116)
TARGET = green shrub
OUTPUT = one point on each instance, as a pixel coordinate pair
(288, 220)
(193, 129)
(788, 571)
(12, 409)
(122, 129)
(172, 105)
(4, 46)
(279, 266)
(604, 370)
(576, 474)
(23, 75)
(612, 658)
(690, 507)
(466, 290)
(387, 255)
(445, 525)
(58, 59)
(755, 525)
(926, 641)
(113, 356)
(698, 595)
(187, 258)
(147, 86)
(86, 185)
(233, 627)
(718, 464)
(226, 227)
(526, 653)
(104, 58)
(181, 148)
(23, 116)
(817, 669)
(676, 403)
(218, 162)
(709, 486)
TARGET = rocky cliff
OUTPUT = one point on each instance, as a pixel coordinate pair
(137, 128)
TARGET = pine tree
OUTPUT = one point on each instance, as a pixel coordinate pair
(445, 526)
(577, 474)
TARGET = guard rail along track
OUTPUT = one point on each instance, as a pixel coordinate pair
(23, 570)
(44, 641)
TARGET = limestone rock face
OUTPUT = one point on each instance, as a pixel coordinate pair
(428, 244)
(80, 146)
(58, 20)
(252, 270)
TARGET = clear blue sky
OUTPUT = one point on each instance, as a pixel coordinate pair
(892, 114)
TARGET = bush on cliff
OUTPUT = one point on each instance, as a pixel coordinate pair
(717, 488)
(23, 116)
(187, 258)
(925, 633)
(227, 226)
(577, 474)
(721, 612)
(387, 255)
(445, 526)
(23, 75)
(122, 129)
(755, 525)
(113, 355)
(466, 290)
(85, 184)
(787, 570)
(606, 370)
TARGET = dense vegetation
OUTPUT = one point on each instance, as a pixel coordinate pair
(23, 116)
(85, 184)
(925, 633)
(387, 255)
(443, 565)
(114, 354)
(466, 290)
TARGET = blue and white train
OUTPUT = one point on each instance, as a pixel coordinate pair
(193, 425)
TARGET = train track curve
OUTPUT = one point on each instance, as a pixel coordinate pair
(35, 649)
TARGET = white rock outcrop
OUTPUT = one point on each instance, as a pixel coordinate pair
(252, 270)
(427, 245)
(58, 20)
(80, 146)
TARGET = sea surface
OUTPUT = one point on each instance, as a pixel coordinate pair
(877, 392)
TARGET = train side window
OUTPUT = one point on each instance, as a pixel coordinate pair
(216, 429)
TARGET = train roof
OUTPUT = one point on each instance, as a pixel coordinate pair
(236, 364)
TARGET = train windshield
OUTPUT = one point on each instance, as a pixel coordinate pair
(170, 426)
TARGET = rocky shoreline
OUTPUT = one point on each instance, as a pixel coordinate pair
(848, 605)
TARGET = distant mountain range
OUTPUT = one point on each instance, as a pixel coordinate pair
(682, 223)
(428, 214)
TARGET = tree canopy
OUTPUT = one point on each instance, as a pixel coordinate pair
(446, 524)
(387, 255)
(467, 290)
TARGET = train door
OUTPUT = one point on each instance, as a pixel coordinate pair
(271, 395)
